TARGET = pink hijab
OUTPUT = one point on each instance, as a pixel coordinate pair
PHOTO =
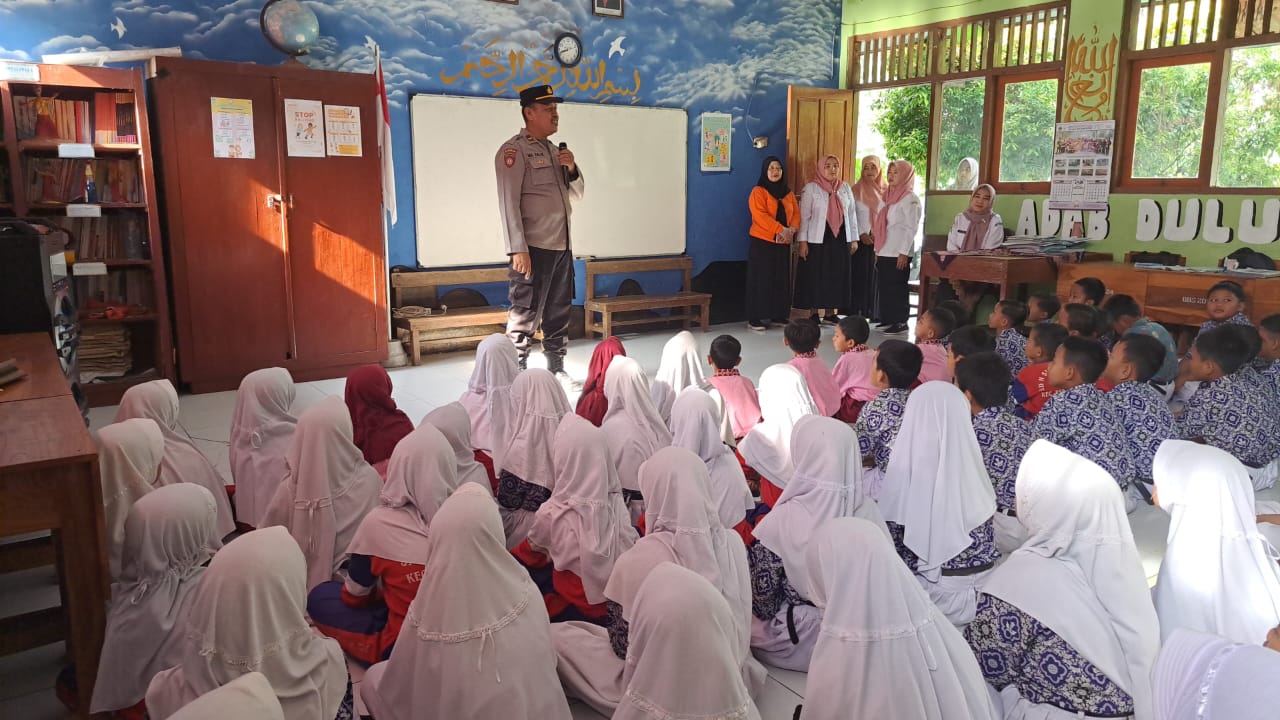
(870, 189)
(835, 210)
(892, 196)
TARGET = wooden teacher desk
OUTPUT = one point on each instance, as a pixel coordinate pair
(1172, 297)
(49, 481)
(1007, 271)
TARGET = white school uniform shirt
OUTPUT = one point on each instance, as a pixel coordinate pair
(960, 228)
(904, 221)
(813, 214)
(865, 214)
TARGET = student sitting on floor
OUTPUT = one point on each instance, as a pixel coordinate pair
(802, 337)
(488, 396)
(376, 421)
(1002, 436)
(1087, 291)
(1253, 340)
(694, 428)
(1224, 304)
(633, 427)
(959, 312)
(679, 367)
(784, 399)
(1081, 418)
(1126, 319)
(1031, 388)
(592, 404)
(739, 393)
(526, 472)
(1142, 410)
(1269, 356)
(1080, 320)
(1042, 308)
(852, 372)
(897, 366)
(966, 341)
(452, 422)
(931, 327)
(1005, 320)
(261, 429)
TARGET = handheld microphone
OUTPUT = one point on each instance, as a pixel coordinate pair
(564, 171)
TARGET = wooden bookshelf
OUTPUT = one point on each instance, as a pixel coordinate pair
(104, 108)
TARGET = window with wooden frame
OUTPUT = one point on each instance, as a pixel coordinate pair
(1203, 101)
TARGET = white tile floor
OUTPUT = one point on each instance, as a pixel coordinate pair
(26, 679)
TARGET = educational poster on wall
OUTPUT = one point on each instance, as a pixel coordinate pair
(342, 130)
(304, 125)
(1081, 177)
(717, 131)
(232, 128)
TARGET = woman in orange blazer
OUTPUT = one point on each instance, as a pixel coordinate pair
(775, 218)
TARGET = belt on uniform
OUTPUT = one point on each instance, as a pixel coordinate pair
(964, 572)
(1008, 511)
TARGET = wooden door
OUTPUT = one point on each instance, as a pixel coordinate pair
(820, 122)
(227, 257)
(335, 246)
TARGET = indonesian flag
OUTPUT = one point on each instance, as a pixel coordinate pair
(384, 140)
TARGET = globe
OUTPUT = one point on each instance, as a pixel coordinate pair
(290, 26)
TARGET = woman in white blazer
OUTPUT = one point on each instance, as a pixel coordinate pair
(893, 232)
(977, 228)
(828, 233)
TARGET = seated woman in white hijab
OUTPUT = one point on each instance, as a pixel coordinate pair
(477, 642)
(685, 530)
(826, 484)
(1065, 627)
(129, 456)
(329, 489)
(632, 425)
(452, 422)
(583, 528)
(938, 501)
(695, 427)
(885, 651)
(248, 697)
(261, 430)
(157, 400)
(168, 537)
(250, 616)
(1206, 677)
(784, 399)
(682, 661)
(526, 473)
(680, 367)
(364, 612)
(488, 396)
(1219, 575)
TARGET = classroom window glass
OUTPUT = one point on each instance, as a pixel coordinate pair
(1249, 136)
(960, 116)
(1169, 128)
(1027, 122)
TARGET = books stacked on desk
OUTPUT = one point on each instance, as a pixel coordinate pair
(1237, 272)
(1041, 245)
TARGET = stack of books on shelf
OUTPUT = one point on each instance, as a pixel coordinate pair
(55, 180)
(108, 118)
(127, 289)
(105, 352)
(110, 237)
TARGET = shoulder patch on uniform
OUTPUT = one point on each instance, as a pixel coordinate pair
(509, 156)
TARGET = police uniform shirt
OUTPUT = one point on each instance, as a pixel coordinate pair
(532, 195)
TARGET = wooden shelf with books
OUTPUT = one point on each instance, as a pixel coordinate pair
(102, 112)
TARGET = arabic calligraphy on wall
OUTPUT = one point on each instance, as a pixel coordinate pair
(1091, 78)
(509, 73)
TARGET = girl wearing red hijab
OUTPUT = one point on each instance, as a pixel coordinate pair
(377, 422)
(593, 404)
(893, 233)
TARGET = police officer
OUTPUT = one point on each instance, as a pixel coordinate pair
(536, 184)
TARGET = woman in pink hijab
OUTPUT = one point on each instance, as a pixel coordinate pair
(378, 423)
(868, 196)
(893, 233)
(828, 234)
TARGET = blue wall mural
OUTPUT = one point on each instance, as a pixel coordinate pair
(733, 56)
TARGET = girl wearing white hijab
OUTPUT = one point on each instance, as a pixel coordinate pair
(1065, 627)
(1205, 677)
(885, 650)
(157, 400)
(388, 551)
(526, 473)
(784, 399)
(329, 490)
(695, 428)
(489, 392)
(1219, 575)
(584, 527)
(248, 697)
(682, 661)
(249, 616)
(168, 537)
(679, 368)
(261, 429)
(827, 484)
(938, 500)
(632, 424)
(477, 641)
(452, 422)
(129, 456)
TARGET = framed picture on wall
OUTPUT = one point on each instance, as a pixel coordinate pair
(507, 2)
(607, 8)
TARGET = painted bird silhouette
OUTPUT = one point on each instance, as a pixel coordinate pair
(119, 27)
(616, 47)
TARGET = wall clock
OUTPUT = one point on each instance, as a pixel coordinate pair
(567, 49)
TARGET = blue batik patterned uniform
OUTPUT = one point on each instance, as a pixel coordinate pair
(1270, 371)
(1004, 439)
(1169, 370)
(1232, 415)
(1147, 422)
(878, 424)
(981, 552)
(771, 592)
(1012, 348)
(1014, 648)
(1237, 319)
(1084, 421)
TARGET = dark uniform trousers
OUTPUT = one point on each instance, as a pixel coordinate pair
(543, 300)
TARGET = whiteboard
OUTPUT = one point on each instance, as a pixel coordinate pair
(634, 163)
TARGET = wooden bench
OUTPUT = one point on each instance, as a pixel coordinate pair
(477, 321)
(686, 304)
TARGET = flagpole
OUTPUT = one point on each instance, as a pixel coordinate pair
(395, 352)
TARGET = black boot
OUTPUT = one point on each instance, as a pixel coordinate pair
(555, 365)
(522, 360)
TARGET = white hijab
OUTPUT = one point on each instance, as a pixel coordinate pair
(695, 427)
(632, 424)
(250, 616)
(885, 650)
(248, 697)
(329, 490)
(537, 404)
(1219, 575)
(1205, 677)
(129, 455)
(183, 462)
(585, 525)
(489, 391)
(1079, 572)
(476, 642)
(827, 484)
(936, 485)
(679, 368)
(167, 539)
(784, 399)
(261, 428)
(452, 422)
(682, 660)
(420, 476)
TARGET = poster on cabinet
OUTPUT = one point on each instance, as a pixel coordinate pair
(304, 127)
